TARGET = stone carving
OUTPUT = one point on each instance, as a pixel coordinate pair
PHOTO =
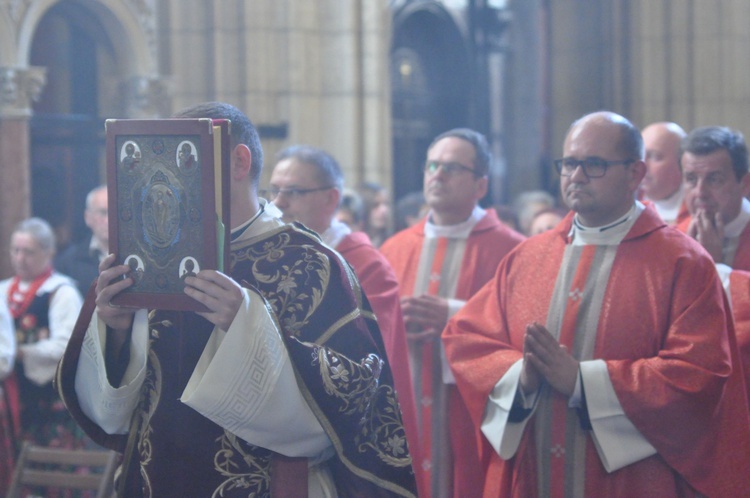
(19, 88)
(147, 96)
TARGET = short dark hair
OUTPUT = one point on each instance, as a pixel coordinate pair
(708, 139)
(327, 169)
(242, 130)
(481, 147)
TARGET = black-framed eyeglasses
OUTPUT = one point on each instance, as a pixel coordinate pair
(291, 193)
(449, 169)
(593, 167)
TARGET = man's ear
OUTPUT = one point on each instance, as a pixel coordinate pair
(745, 185)
(638, 173)
(242, 162)
(480, 187)
(334, 197)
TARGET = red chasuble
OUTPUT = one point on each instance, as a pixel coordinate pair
(739, 288)
(669, 346)
(381, 288)
(741, 255)
(486, 245)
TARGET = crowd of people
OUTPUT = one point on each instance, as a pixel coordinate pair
(429, 346)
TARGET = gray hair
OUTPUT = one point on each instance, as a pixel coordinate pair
(40, 230)
(327, 169)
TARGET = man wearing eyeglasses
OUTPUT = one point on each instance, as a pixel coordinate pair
(306, 186)
(281, 388)
(440, 263)
(601, 360)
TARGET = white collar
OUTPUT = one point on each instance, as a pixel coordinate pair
(261, 222)
(457, 231)
(608, 235)
(335, 233)
(735, 227)
(669, 208)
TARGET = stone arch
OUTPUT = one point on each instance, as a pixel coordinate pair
(7, 43)
(431, 82)
(134, 45)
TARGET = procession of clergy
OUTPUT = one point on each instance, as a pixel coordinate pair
(607, 356)
(604, 357)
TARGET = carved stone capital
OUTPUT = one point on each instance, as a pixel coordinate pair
(147, 96)
(19, 88)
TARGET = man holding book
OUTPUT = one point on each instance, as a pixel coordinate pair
(280, 387)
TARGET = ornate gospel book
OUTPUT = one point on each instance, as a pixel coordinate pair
(168, 188)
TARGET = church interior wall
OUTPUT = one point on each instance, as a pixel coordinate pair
(318, 73)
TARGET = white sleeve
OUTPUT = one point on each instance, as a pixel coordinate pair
(111, 407)
(454, 305)
(617, 440)
(724, 271)
(505, 436)
(40, 359)
(7, 341)
(245, 383)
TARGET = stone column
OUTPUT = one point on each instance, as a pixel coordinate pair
(19, 87)
(147, 97)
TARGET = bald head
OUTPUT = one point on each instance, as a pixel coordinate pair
(663, 176)
(626, 139)
(601, 195)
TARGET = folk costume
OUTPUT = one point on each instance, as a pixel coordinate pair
(658, 394)
(381, 288)
(451, 262)
(297, 382)
(7, 355)
(44, 313)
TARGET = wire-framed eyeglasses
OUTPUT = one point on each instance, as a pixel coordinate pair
(291, 193)
(449, 169)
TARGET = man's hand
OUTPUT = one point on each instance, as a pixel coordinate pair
(427, 314)
(531, 379)
(550, 359)
(708, 230)
(219, 293)
(112, 280)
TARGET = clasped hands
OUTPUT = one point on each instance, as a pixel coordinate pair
(425, 316)
(708, 230)
(219, 293)
(546, 360)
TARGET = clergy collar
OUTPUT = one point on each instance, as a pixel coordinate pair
(95, 249)
(255, 225)
(610, 234)
(457, 231)
(335, 233)
(735, 227)
(669, 208)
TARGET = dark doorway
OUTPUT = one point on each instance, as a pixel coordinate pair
(431, 86)
(67, 133)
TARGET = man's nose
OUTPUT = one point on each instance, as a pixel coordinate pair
(578, 175)
(702, 187)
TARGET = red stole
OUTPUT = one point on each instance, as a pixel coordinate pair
(431, 367)
(18, 301)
